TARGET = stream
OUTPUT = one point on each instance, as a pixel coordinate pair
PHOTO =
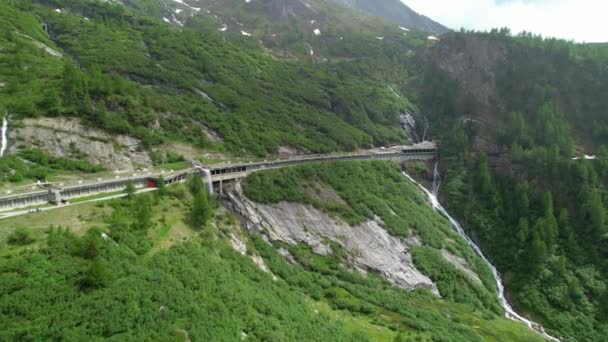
(509, 311)
(4, 135)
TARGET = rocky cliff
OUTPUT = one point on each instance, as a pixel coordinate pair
(64, 137)
(370, 246)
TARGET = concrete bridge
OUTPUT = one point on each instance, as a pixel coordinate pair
(214, 175)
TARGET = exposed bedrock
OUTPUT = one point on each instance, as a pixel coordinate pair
(370, 246)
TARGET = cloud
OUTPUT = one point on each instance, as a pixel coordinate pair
(579, 20)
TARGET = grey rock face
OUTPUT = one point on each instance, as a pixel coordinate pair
(461, 264)
(371, 247)
(472, 61)
(63, 137)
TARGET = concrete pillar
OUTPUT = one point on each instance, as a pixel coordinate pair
(221, 187)
(55, 197)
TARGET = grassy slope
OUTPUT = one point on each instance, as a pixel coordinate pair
(149, 291)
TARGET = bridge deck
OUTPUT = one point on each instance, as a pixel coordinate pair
(219, 173)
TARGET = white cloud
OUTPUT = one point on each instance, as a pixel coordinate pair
(580, 20)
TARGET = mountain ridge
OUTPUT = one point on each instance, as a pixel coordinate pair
(396, 11)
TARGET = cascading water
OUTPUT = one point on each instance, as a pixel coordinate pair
(208, 181)
(509, 311)
(436, 179)
(409, 125)
(4, 135)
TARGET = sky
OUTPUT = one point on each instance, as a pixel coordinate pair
(579, 20)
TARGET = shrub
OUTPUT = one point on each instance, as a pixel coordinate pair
(20, 237)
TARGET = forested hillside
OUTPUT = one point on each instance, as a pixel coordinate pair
(129, 73)
(123, 71)
(526, 171)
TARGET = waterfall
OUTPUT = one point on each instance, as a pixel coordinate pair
(4, 135)
(436, 179)
(409, 125)
(208, 181)
(509, 311)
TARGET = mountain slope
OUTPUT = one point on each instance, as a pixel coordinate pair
(127, 72)
(523, 129)
(396, 11)
(520, 119)
(143, 270)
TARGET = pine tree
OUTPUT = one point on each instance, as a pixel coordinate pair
(161, 186)
(142, 209)
(566, 233)
(130, 190)
(202, 210)
(549, 223)
(595, 217)
(483, 179)
(537, 252)
(523, 230)
(95, 276)
(195, 184)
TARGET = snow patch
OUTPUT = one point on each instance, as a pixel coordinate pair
(403, 28)
(585, 157)
(432, 38)
(175, 20)
(380, 38)
(247, 34)
(181, 2)
(166, 20)
(223, 28)
(317, 32)
(57, 10)
(312, 52)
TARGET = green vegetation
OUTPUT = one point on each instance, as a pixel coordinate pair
(96, 287)
(134, 71)
(378, 188)
(20, 237)
(33, 164)
(511, 180)
(107, 283)
(539, 214)
(202, 209)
